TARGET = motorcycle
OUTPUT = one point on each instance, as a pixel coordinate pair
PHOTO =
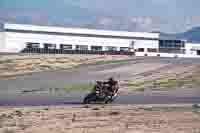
(97, 96)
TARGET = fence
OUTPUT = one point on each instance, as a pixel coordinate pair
(60, 51)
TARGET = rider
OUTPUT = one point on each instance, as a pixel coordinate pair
(111, 88)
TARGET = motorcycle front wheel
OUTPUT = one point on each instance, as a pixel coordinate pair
(89, 98)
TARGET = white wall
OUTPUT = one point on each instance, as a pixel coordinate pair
(146, 44)
(147, 53)
(15, 42)
(2, 41)
(164, 54)
(191, 48)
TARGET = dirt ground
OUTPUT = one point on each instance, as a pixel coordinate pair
(101, 119)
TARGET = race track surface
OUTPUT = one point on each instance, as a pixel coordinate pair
(10, 89)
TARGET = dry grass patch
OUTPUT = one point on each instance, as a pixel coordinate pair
(7, 61)
(104, 62)
(163, 83)
(194, 108)
(36, 63)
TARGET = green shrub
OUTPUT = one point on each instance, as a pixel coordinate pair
(6, 61)
(102, 62)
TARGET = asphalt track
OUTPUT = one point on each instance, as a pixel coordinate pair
(39, 100)
(10, 89)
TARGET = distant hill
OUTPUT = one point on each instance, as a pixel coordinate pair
(192, 35)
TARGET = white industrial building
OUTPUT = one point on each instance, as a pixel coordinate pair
(15, 38)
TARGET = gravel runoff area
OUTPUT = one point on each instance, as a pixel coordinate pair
(101, 119)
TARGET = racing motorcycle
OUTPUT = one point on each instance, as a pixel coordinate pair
(100, 94)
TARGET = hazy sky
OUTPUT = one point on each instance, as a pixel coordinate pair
(132, 15)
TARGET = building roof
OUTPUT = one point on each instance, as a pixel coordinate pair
(82, 31)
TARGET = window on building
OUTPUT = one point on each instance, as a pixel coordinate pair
(110, 48)
(140, 49)
(49, 46)
(151, 49)
(198, 52)
(183, 45)
(32, 45)
(65, 47)
(81, 47)
(124, 48)
(171, 44)
(172, 50)
(96, 48)
(177, 45)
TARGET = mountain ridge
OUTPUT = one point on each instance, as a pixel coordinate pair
(191, 35)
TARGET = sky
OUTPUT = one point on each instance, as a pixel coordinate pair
(169, 16)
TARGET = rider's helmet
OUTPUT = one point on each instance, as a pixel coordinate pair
(111, 79)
